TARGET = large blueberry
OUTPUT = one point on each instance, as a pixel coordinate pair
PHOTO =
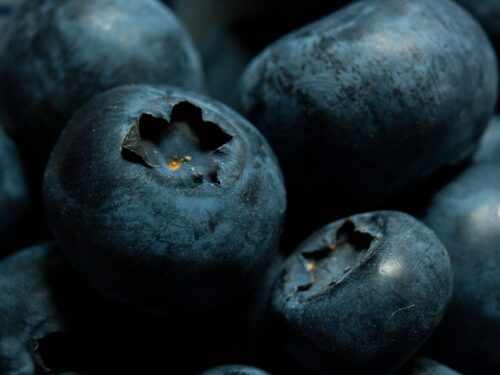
(35, 335)
(63, 52)
(425, 366)
(361, 295)
(466, 217)
(14, 199)
(371, 100)
(164, 199)
(235, 370)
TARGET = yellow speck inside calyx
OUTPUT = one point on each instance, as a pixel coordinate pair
(310, 266)
(175, 162)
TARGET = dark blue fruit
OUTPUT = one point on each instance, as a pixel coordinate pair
(466, 217)
(425, 366)
(361, 295)
(370, 101)
(235, 370)
(164, 199)
(14, 200)
(35, 335)
(63, 52)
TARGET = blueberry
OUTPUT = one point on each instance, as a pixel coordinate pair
(370, 101)
(35, 335)
(361, 295)
(466, 216)
(164, 199)
(235, 370)
(14, 197)
(425, 366)
(63, 52)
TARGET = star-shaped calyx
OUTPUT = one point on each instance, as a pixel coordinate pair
(184, 141)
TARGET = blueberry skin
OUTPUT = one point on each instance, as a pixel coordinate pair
(14, 197)
(361, 295)
(166, 235)
(487, 13)
(425, 366)
(235, 370)
(489, 148)
(371, 100)
(32, 282)
(465, 216)
(63, 52)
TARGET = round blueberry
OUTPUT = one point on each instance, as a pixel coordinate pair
(63, 52)
(466, 216)
(361, 295)
(14, 197)
(371, 100)
(235, 370)
(164, 199)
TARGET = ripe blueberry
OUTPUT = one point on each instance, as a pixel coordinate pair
(164, 199)
(361, 294)
(370, 101)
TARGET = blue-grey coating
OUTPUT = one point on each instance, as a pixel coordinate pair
(375, 314)
(63, 52)
(466, 216)
(371, 100)
(14, 197)
(425, 366)
(30, 306)
(235, 370)
(163, 240)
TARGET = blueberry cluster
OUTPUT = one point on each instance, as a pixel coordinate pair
(249, 188)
